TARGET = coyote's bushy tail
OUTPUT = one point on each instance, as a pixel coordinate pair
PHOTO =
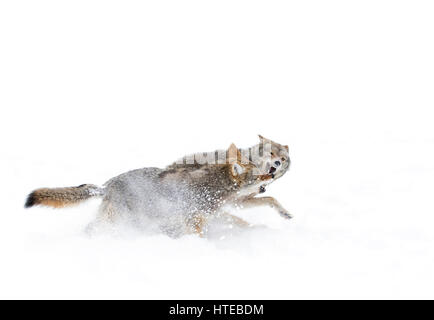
(63, 197)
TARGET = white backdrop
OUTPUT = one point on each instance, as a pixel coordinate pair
(90, 89)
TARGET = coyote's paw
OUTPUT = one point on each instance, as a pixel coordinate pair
(285, 214)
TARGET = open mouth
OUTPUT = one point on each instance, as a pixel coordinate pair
(272, 170)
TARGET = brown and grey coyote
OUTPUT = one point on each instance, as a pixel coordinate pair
(181, 197)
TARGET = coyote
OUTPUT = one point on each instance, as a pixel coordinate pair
(182, 196)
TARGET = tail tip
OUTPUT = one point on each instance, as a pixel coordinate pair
(30, 201)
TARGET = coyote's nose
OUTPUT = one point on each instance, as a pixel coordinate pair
(277, 163)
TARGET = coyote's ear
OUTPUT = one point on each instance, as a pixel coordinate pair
(286, 147)
(236, 169)
(262, 139)
(233, 153)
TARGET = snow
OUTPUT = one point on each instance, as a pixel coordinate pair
(92, 89)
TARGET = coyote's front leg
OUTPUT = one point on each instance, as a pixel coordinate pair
(265, 201)
(234, 220)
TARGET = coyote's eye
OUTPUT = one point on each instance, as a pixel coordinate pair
(283, 159)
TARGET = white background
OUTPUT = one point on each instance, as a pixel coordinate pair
(90, 89)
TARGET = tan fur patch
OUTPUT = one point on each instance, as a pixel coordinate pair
(54, 203)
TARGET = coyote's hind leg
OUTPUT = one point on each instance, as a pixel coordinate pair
(106, 212)
(197, 224)
(104, 219)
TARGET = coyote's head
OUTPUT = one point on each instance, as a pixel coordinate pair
(271, 157)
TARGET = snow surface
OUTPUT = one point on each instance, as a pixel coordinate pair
(91, 89)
